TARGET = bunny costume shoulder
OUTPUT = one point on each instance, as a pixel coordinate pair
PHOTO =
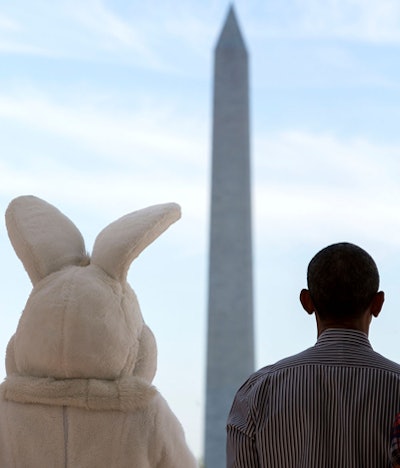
(78, 390)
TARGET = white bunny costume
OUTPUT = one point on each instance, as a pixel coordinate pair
(78, 391)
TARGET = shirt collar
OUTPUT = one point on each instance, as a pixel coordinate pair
(343, 336)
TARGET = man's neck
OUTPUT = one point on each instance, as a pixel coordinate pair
(360, 324)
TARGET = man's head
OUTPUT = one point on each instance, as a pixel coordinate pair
(343, 280)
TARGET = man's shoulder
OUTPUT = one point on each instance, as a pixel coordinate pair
(385, 364)
(306, 357)
(312, 357)
(263, 374)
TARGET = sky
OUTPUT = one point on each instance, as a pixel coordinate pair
(105, 108)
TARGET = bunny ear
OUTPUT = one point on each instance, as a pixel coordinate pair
(122, 241)
(44, 239)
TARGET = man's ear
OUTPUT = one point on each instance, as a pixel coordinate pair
(377, 303)
(306, 301)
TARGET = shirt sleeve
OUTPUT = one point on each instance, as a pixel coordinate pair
(395, 442)
(241, 451)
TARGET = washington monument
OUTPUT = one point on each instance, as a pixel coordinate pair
(230, 347)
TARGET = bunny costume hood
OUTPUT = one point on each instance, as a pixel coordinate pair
(79, 367)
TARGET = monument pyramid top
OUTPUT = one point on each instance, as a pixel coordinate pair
(230, 36)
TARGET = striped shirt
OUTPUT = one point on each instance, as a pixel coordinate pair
(395, 443)
(330, 406)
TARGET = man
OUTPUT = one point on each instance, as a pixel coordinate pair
(395, 443)
(332, 405)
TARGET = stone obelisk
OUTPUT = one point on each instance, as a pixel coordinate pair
(230, 346)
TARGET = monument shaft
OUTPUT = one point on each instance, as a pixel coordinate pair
(230, 351)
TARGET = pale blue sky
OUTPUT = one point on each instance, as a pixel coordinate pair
(105, 108)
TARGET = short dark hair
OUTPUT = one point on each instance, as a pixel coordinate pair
(342, 279)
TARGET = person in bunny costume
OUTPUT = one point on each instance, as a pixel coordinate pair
(78, 390)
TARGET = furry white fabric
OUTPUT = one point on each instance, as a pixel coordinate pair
(125, 394)
(78, 390)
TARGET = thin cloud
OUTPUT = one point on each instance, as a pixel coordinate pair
(309, 177)
(354, 20)
(12, 41)
(169, 39)
(112, 33)
(157, 131)
(16, 48)
(8, 24)
(79, 31)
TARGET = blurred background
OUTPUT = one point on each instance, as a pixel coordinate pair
(105, 108)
